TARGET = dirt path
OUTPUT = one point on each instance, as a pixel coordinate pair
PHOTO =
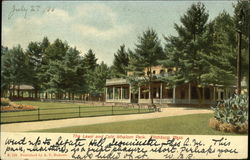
(30, 126)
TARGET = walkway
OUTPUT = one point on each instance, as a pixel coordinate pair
(31, 126)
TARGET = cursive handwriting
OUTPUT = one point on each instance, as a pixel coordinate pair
(117, 147)
(24, 10)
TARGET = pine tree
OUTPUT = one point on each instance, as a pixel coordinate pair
(90, 60)
(34, 53)
(147, 53)
(186, 51)
(97, 79)
(120, 62)
(221, 59)
(15, 68)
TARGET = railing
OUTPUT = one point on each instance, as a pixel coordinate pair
(69, 112)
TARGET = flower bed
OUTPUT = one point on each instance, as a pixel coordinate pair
(227, 127)
(14, 107)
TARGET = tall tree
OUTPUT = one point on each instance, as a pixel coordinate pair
(147, 53)
(97, 79)
(34, 54)
(187, 50)
(52, 65)
(90, 60)
(4, 74)
(15, 68)
(74, 76)
(241, 19)
(120, 62)
(221, 58)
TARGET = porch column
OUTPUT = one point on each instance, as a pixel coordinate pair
(174, 94)
(121, 93)
(106, 89)
(113, 92)
(129, 95)
(149, 92)
(161, 94)
(189, 93)
(203, 94)
(139, 94)
(214, 94)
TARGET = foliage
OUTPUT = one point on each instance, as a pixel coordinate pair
(222, 56)
(15, 69)
(97, 79)
(233, 110)
(5, 102)
(241, 20)
(90, 60)
(146, 55)
(120, 63)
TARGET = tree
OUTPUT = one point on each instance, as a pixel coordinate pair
(90, 60)
(52, 65)
(74, 73)
(120, 62)
(97, 79)
(15, 69)
(221, 58)
(147, 53)
(186, 51)
(4, 82)
(241, 19)
(35, 53)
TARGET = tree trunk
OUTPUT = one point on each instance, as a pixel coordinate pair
(35, 93)
(69, 95)
(13, 91)
(46, 95)
(239, 64)
(200, 98)
(10, 92)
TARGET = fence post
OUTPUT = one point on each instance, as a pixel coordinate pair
(38, 114)
(112, 110)
(79, 111)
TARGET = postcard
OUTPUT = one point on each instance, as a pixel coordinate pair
(124, 80)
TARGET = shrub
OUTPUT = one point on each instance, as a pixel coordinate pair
(232, 114)
(5, 102)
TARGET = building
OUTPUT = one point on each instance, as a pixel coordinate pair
(119, 91)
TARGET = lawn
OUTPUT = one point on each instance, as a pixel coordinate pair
(196, 124)
(55, 110)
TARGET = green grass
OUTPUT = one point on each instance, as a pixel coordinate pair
(55, 110)
(196, 124)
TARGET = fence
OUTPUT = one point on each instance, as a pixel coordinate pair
(69, 112)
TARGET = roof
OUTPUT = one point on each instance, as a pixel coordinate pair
(116, 81)
(24, 87)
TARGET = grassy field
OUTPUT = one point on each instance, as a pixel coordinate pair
(55, 110)
(196, 124)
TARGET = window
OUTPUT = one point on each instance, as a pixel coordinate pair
(207, 93)
(162, 71)
(153, 71)
(194, 94)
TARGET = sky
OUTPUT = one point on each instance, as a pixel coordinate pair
(102, 26)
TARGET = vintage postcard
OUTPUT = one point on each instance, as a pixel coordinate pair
(124, 80)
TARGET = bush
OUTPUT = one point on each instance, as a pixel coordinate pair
(231, 114)
(5, 102)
